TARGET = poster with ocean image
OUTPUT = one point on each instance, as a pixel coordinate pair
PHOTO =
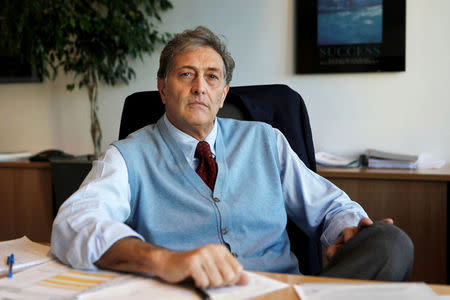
(345, 22)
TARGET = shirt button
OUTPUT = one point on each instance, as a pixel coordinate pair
(216, 199)
(224, 231)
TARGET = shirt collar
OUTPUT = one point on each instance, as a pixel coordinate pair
(187, 143)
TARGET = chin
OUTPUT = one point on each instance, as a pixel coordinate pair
(199, 118)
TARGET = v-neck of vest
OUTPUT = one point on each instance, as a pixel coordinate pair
(189, 173)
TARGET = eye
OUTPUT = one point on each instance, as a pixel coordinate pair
(185, 74)
(213, 76)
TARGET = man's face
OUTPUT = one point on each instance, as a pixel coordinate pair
(194, 91)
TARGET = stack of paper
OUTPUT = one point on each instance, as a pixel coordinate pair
(330, 160)
(150, 288)
(26, 253)
(53, 280)
(37, 275)
(373, 291)
(13, 156)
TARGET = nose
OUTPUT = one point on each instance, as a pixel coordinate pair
(198, 86)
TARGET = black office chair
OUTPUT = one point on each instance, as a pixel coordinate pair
(67, 176)
(277, 105)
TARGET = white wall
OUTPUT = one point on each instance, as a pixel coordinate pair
(402, 111)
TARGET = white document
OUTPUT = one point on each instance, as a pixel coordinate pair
(142, 288)
(258, 285)
(429, 161)
(14, 156)
(375, 291)
(138, 288)
(330, 160)
(54, 281)
(26, 254)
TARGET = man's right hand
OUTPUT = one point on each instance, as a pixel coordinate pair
(208, 266)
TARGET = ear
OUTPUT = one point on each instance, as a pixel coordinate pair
(224, 95)
(162, 89)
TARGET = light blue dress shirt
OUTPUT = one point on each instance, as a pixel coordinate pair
(103, 202)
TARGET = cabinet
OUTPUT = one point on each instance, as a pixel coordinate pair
(26, 206)
(417, 200)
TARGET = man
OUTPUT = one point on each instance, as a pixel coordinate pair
(198, 197)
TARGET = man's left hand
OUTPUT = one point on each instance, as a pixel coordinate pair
(350, 232)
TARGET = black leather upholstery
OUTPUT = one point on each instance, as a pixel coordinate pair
(67, 176)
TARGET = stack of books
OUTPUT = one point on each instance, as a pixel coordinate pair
(380, 159)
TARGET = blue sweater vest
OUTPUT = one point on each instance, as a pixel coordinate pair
(172, 207)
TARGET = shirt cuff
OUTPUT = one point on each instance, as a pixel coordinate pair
(338, 223)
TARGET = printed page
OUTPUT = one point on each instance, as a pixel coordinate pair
(330, 160)
(258, 285)
(26, 254)
(150, 288)
(376, 291)
(53, 280)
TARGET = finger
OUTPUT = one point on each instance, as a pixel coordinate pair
(212, 271)
(198, 274)
(350, 232)
(243, 279)
(200, 279)
(364, 222)
(388, 220)
(229, 275)
(235, 269)
(331, 251)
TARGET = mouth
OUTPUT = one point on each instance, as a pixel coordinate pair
(196, 103)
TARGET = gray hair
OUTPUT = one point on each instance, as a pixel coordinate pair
(192, 39)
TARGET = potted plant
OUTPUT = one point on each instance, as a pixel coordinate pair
(94, 40)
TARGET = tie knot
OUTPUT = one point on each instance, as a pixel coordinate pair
(203, 150)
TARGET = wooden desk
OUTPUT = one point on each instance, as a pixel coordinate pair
(290, 294)
(417, 200)
(26, 206)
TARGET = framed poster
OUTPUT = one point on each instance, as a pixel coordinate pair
(337, 36)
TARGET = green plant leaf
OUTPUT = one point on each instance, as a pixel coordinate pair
(99, 35)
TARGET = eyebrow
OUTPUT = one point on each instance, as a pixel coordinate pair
(194, 68)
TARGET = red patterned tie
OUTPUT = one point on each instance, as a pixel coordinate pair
(207, 168)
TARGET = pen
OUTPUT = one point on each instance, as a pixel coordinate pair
(202, 293)
(10, 262)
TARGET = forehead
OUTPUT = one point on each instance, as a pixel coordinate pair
(201, 57)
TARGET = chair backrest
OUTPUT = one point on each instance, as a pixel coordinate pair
(277, 105)
(67, 176)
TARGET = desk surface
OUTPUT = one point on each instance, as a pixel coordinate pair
(290, 294)
(24, 164)
(442, 174)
